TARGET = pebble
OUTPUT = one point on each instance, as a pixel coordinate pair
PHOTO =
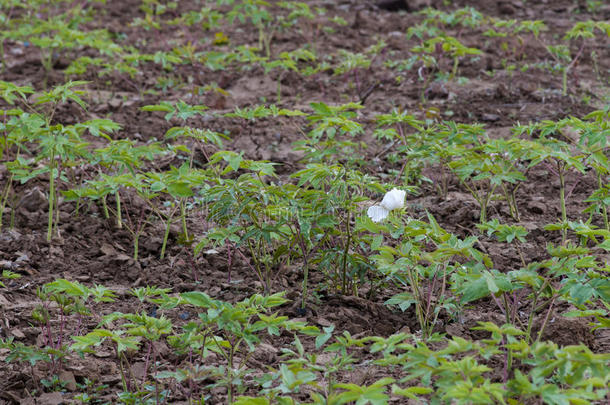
(536, 207)
(33, 200)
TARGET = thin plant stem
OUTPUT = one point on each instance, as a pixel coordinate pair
(119, 220)
(345, 252)
(229, 261)
(105, 208)
(168, 222)
(419, 310)
(500, 307)
(135, 229)
(136, 243)
(569, 67)
(2, 56)
(165, 238)
(256, 269)
(546, 319)
(4, 199)
(56, 208)
(562, 201)
(520, 254)
(121, 369)
(604, 208)
(530, 320)
(305, 254)
(429, 299)
(183, 218)
(51, 196)
(154, 356)
(146, 363)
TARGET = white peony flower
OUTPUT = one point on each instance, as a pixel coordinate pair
(392, 200)
(377, 213)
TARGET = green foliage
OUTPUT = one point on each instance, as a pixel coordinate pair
(8, 275)
(56, 145)
(449, 45)
(504, 233)
(408, 265)
(305, 219)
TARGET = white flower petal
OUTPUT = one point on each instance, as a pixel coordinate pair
(377, 213)
(394, 199)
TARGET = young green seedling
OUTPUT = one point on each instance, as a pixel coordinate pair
(178, 185)
(594, 142)
(506, 233)
(235, 332)
(449, 45)
(394, 127)
(558, 154)
(483, 169)
(58, 145)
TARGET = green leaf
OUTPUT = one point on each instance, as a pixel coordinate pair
(251, 401)
(605, 245)
(491, 284)
(83, 343)
(234, 161)
(70, 288)
(581, 293)
(323, 338)
(411, 392)
(180, 189)
(474, 290)
(198, 299)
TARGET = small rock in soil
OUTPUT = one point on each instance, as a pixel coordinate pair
(103, 354)
(134, 271)
(490, 117)
(11, 396)
(68, 378)
(266, 353)
(161, 348)
(33, 200)
(108, 250)
(23, 258)
(138, 369)
(528, 225)
(51, 398)
(323, 322)
(115, 103)
(8, 265)
(4, 303)
(122, 258)
(10, 235)
(17, 51)
(218, 391)
(27, 401)
(152, 244)
(536, 207)
(17, 333)
(56, 251)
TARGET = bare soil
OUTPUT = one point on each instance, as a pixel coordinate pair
(92, 250)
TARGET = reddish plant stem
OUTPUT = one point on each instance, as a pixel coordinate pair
(229, 260)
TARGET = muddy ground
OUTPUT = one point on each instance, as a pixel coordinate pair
(93, 251)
